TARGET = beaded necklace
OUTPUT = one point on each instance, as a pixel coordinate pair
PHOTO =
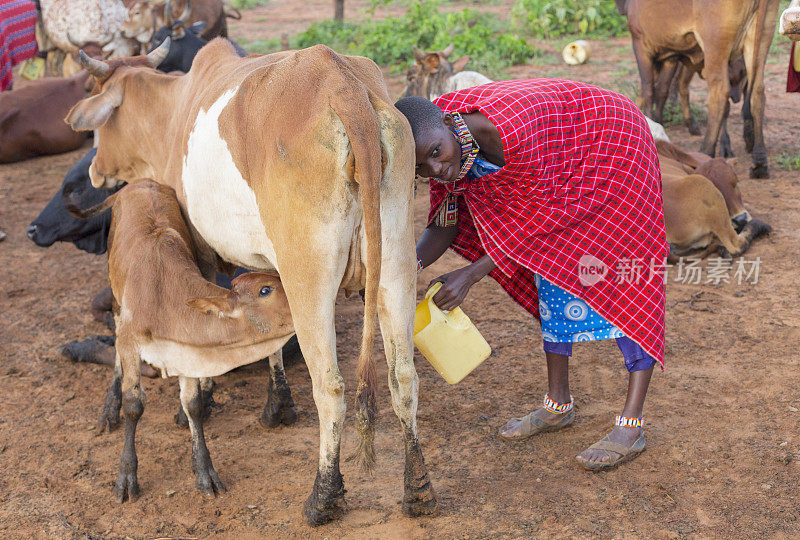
(448, 213)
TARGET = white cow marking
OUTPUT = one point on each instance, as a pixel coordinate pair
(220, 204)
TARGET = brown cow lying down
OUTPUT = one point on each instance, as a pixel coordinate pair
(32, 118)
(702, 205)
(176, 320)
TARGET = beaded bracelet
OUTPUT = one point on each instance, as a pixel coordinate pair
(419, 265)
(555, 407)
(625, 421)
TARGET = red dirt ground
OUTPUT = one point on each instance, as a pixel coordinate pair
(722, 420)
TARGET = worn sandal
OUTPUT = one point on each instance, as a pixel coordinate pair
(620, 455)
(532, 425)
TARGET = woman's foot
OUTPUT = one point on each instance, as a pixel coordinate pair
(539, 421)
(621, 445)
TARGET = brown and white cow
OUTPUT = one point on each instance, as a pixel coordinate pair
(707, 35)
(32, 118)
(790, 21)
(171, 317)
(295, 161)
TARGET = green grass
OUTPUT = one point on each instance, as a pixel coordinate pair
(673, 114)
(260, 46)
(789, 161)
(247, 4)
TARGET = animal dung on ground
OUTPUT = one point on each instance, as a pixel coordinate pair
(577, 52)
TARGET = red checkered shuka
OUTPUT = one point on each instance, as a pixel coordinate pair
(579, 201)
(17, 36)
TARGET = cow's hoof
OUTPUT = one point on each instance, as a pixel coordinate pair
(727, 152)
(318, 512)
(326, 501)
(208, 482)
(271, 417)
(420, 503)
(180, 418)
(126, 488)
(759, 171)
(108, 422)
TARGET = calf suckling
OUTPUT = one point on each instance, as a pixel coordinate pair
(171, 317)
(703, 209)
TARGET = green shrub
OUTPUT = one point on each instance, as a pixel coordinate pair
(390, 41)
(553, 18)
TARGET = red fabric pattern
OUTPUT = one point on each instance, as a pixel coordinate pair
(17, 36)
(793, 79)
(581, 179)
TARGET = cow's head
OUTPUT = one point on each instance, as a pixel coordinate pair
(255, 297)
(94, 49)
(143, 18)
(186, 42)
(56, 224)
(790, 21)
(102, 112)
(430, 72)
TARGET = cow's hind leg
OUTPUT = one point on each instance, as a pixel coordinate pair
(127, 484)
(280, 405)
(206, 479)
(396, 298)
(311, 279)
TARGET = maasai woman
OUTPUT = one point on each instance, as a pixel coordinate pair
(553, 188)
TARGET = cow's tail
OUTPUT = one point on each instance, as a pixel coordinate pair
(71, 205)
(363, 130)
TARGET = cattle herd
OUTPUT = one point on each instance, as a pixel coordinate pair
(313, 194)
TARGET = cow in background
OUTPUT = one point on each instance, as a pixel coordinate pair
(707, 35)
(737, 75)
(703, 208)
(433, 75)
(32, 117)
(146, 17)
(790, 21)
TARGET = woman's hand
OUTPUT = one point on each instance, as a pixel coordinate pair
(455, 286)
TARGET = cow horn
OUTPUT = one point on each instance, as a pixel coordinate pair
(448, 50)
(187, 12)
(419, 56)
(77, 45)
(168, 13)
(98, 68)
(157, 55)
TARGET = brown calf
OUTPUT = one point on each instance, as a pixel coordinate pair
(706, 35)
(174, 319)
(32, 118)
(701, 204)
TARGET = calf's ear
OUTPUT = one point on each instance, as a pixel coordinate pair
(93, 112)
(212, 305)
(460, 64)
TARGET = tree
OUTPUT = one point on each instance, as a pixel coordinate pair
(338, 10)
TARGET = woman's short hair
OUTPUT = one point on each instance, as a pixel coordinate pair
(422, 114)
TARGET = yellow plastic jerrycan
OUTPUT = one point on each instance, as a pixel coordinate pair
(449, 341)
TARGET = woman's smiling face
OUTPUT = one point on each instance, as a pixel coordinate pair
(438, 153)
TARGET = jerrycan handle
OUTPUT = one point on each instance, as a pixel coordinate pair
(436, 313)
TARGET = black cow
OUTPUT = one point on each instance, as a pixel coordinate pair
(185, 44)
(55, 224)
